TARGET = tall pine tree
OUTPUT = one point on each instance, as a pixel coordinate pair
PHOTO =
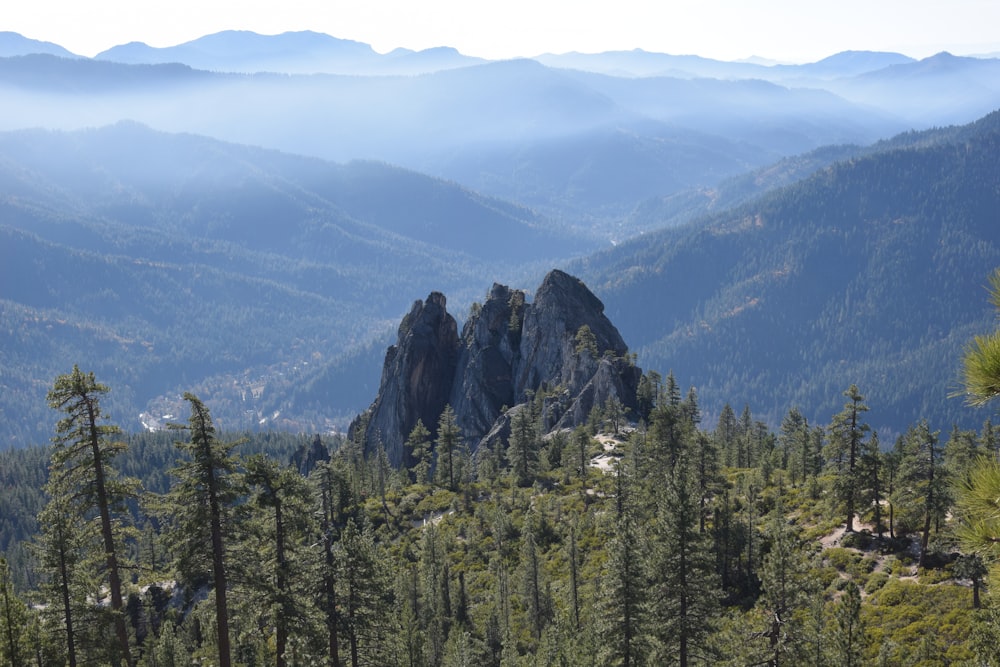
(82, 454)
(198, 514)
(847, 432)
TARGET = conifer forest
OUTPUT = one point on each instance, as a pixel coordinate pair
(642, 537)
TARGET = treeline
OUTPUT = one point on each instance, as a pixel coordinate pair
(636, 539)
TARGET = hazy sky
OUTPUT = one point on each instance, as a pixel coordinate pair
(791, 30)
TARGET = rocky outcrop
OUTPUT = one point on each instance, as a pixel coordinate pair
(484, 381)
(550, 352)
(509, 349)
(416, 377)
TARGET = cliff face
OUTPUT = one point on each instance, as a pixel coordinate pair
(509, 348)
(484, 378)
(416, 377)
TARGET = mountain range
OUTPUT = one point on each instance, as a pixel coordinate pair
(255, 237)
(579, 138)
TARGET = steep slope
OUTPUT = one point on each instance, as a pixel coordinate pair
(192, 185)
(870, 271)
(261, 280)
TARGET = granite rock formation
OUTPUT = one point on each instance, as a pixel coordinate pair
(509, 349)
(416, 377)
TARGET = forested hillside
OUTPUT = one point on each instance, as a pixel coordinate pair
(752, 443)
(169, 262)
(873, 269)
(302, 266)
(554, 139)
(662, 541)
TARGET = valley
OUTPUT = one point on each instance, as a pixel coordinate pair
(607, 159)
(428, 359)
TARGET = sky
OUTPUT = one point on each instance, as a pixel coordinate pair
(783, 30)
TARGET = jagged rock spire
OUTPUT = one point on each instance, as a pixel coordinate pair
(509, 348)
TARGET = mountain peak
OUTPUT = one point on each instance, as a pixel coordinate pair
(16, 44)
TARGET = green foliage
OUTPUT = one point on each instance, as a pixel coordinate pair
(981, 363)
(847, 432)
(672, 558)
(586, 342)
(447, 449)
(418, 446)
(14, 622)
(978, 509)
(83, 477)
(848, 629)
(906, 613)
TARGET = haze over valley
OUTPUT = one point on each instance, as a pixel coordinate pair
(299, 191)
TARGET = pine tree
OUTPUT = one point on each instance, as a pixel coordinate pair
(446, 446)
(534, 588)
(366, 598)
(409, 611)
(891, 461)
(960, 452)
(60, 549)
(330, 482)
(787, 589)
(871, 474)
(726, 436)
(923, 480)
(418, 445)
(848, 631)
(794, 442)
(981, 361)
(847, 432)
(683, 598)
(522, 449)
(705, 459)
(978, 492)
(198, 511)
(989, 439)
(622, 591)
(436, 594)
(82, 456)
(13, 621)
(978, 505)
(648, 393)
(690, 409)
(281, 496)
(668, 434)
(581, 443)
(744, 436)
(971, 567)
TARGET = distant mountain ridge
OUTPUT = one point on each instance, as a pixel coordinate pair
(640, 63)
(15, 44)
(304, 52)
(579, 147)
